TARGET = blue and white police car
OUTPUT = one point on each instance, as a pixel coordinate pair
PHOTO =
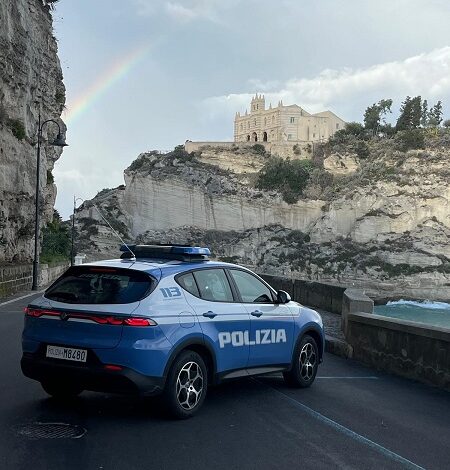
(165, 319)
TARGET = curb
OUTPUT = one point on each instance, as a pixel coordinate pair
(338, 347)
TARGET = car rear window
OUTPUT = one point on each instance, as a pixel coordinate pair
(98, 285)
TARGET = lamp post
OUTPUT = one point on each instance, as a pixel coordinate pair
(72, 253)
(58, 142)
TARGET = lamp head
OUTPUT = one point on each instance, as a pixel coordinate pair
(60, 141)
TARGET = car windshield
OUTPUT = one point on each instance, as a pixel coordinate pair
(97, 285)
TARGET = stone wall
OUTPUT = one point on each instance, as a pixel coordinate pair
(19, 278)
(412, 350)
(314, 294)
(294, 149)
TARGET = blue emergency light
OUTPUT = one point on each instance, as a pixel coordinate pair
(174, 252)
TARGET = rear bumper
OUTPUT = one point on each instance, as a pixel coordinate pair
(92, 377)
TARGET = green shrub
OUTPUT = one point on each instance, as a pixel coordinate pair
(285, 176)
(56, 242)
(3, 115)
(60, 97)
(17, 128)
(50, 178)
(410, 140)
(259, 149)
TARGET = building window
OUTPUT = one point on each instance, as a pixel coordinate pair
(292, 120)
(337, 125)
(289, 136)
(254, 122)
(273, 119)
(257, 106)
(314, 135)
(265, 122)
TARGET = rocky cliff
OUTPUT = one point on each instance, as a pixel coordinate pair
(381, 222)
(30, 82)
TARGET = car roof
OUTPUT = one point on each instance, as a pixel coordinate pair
(161, 267)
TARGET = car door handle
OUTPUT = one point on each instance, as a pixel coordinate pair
(256, 313)
(209, 314)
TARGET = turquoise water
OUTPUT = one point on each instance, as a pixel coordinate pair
(431, 313)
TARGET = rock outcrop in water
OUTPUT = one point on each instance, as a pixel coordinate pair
(382, 223)
(30, 81)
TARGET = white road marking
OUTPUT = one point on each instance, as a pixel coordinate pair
(348, 432)
(20, 298)
(349, 377)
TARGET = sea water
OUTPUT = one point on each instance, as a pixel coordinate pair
(430, 313)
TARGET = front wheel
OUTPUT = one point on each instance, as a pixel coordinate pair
(304, 363)
(61, 391)
(186, 385)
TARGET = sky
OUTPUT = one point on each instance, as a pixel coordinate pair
(150, 74)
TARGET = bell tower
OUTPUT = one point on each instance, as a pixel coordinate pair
(258, 104)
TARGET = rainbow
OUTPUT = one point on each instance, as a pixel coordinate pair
(104, 82)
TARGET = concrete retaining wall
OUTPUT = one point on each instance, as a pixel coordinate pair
(283, 149)
(17, 278)
(412, 350)
(315, 294)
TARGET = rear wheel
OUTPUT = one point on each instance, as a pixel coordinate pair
(61, 390)
(304, 363)
(186, 385)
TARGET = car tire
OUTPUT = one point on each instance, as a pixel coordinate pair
(186, 385)
(61, 391)
(304, 363)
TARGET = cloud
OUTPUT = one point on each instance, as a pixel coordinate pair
(348, 91)
(186, 10)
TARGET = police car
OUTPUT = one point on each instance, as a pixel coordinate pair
(166, 319)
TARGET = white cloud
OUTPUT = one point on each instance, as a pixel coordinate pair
(186, 10)
(348, 91)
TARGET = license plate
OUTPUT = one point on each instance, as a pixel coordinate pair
(68, 354)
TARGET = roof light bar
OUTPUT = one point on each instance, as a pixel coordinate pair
(175, 252)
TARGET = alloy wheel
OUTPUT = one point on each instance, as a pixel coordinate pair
(189, 387)
(307, 361)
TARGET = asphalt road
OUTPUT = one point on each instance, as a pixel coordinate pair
(352, 417)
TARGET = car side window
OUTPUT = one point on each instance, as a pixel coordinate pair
(187, 282)
(213, 285)
(252, 290)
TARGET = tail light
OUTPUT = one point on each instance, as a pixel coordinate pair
(100, 319)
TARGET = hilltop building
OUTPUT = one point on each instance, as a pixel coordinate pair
(284, 124)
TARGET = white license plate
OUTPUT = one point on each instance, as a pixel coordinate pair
(68, 354)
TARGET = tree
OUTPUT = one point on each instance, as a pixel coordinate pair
(375, 115)
(424, 117)
(435, 115)
(351, 128)
(410, 114)
(447, 123)
(416, 112)
(56, 240)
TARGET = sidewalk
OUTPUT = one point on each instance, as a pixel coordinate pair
(334, 338)
(19, 295)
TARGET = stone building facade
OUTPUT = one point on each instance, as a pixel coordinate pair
(284, 124)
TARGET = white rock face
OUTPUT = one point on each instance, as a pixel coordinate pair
(30, 81)
(161, 205)
(388, 233)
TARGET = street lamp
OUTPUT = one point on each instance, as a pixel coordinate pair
(58, 142)
(75, 199)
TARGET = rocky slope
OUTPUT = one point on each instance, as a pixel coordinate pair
(30, 81)
(382, 223)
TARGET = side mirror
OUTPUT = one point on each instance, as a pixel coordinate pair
(283, 297)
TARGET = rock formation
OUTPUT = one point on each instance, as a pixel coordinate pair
(383, 223)
(30, 82)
